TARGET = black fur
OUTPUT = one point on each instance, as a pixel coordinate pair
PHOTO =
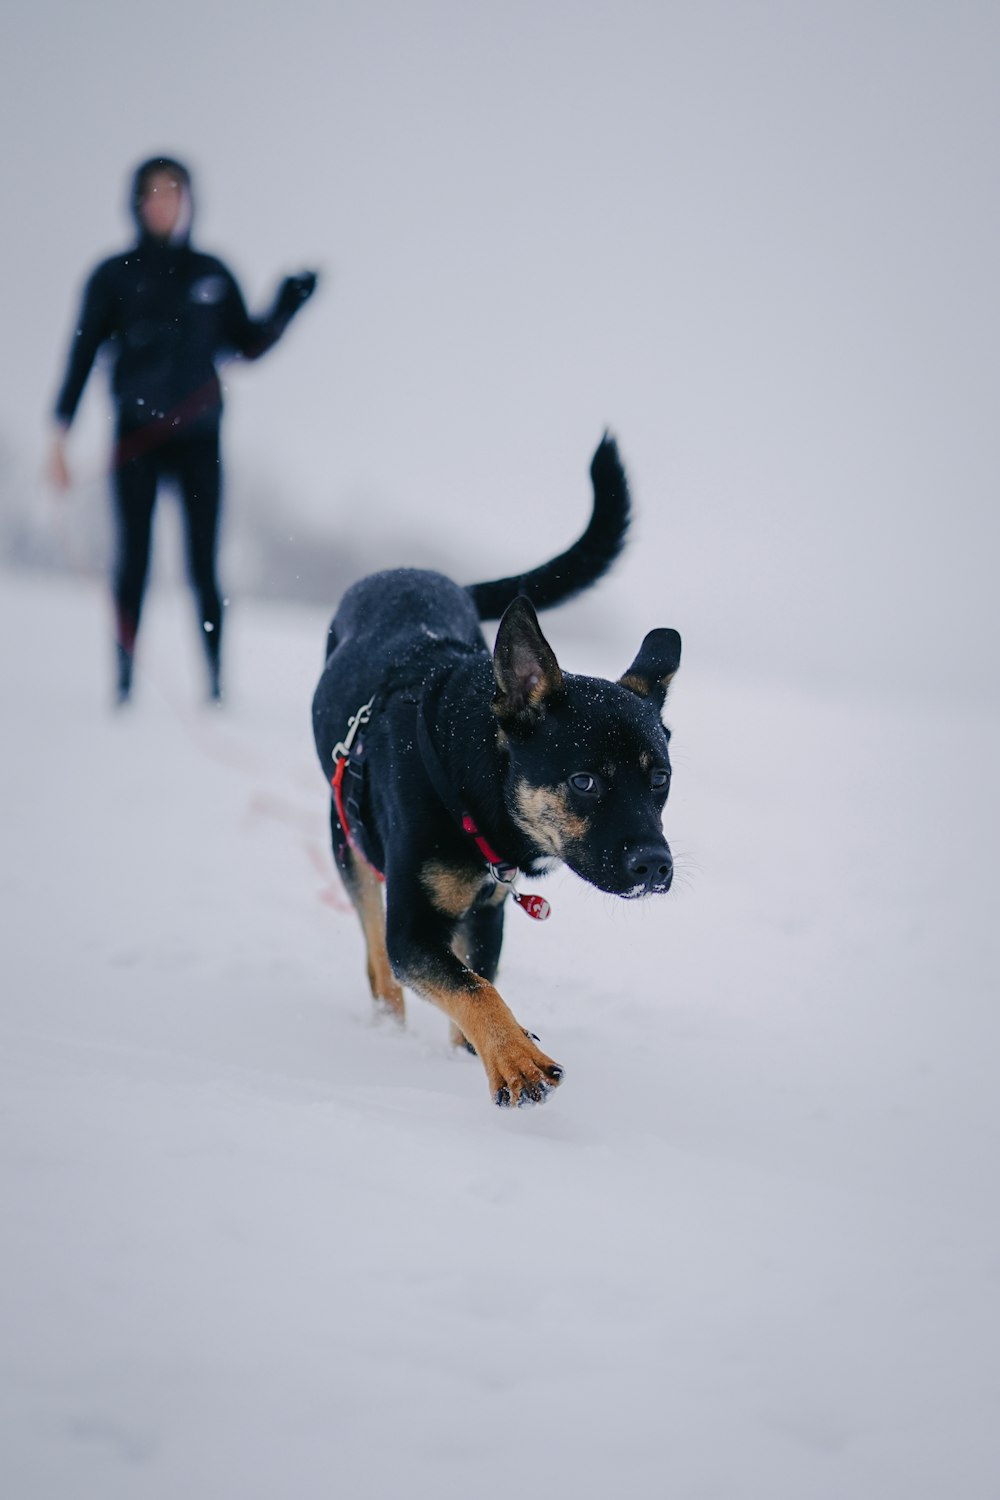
(549, 766)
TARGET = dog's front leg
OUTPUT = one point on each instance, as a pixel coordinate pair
(419, 943)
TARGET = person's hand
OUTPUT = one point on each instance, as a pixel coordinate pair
(57, 469)
(294, 291)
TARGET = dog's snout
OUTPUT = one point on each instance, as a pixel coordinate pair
(651, 865)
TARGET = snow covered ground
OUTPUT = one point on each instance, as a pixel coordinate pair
(256, 1245)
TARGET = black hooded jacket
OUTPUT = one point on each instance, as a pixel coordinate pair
(167, 313)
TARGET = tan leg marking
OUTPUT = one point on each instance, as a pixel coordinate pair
(460, 948)
(386, 989)
(461, 951)
(457, 1037)
(515, 1067)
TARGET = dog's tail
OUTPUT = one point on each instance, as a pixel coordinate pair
(585, 562)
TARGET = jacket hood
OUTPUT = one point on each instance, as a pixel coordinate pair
(141, 176)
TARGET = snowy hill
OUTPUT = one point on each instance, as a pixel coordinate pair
(256, 1244)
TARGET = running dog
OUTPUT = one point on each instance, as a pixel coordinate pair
(453, 769)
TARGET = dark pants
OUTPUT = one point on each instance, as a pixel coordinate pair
(192, 461)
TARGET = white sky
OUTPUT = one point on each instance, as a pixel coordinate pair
(760, 240)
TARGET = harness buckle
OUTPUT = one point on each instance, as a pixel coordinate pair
(343, 748)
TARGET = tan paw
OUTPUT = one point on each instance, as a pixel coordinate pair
(520, 1073)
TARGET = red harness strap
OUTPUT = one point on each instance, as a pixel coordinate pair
(337, 783)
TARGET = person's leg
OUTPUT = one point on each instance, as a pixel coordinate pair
(134, 484)
(199, 476)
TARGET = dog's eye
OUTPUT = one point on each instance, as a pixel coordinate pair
(659, 778)
(582, 781)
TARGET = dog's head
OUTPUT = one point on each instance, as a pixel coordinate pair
(589, 763)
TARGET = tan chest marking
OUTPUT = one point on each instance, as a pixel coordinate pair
(452, 889)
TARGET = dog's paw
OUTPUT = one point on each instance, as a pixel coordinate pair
(520, 1073)
(531, 1093)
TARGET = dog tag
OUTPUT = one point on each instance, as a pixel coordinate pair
(533, 906)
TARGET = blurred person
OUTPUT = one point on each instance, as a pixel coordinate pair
(168, 313)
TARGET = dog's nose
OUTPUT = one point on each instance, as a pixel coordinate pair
(651, 865)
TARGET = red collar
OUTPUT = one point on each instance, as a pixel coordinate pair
(505, 874)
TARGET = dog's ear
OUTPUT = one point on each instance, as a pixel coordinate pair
(524, 665)
(652, 672)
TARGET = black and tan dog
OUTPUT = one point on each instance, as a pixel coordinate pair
(453, 770)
